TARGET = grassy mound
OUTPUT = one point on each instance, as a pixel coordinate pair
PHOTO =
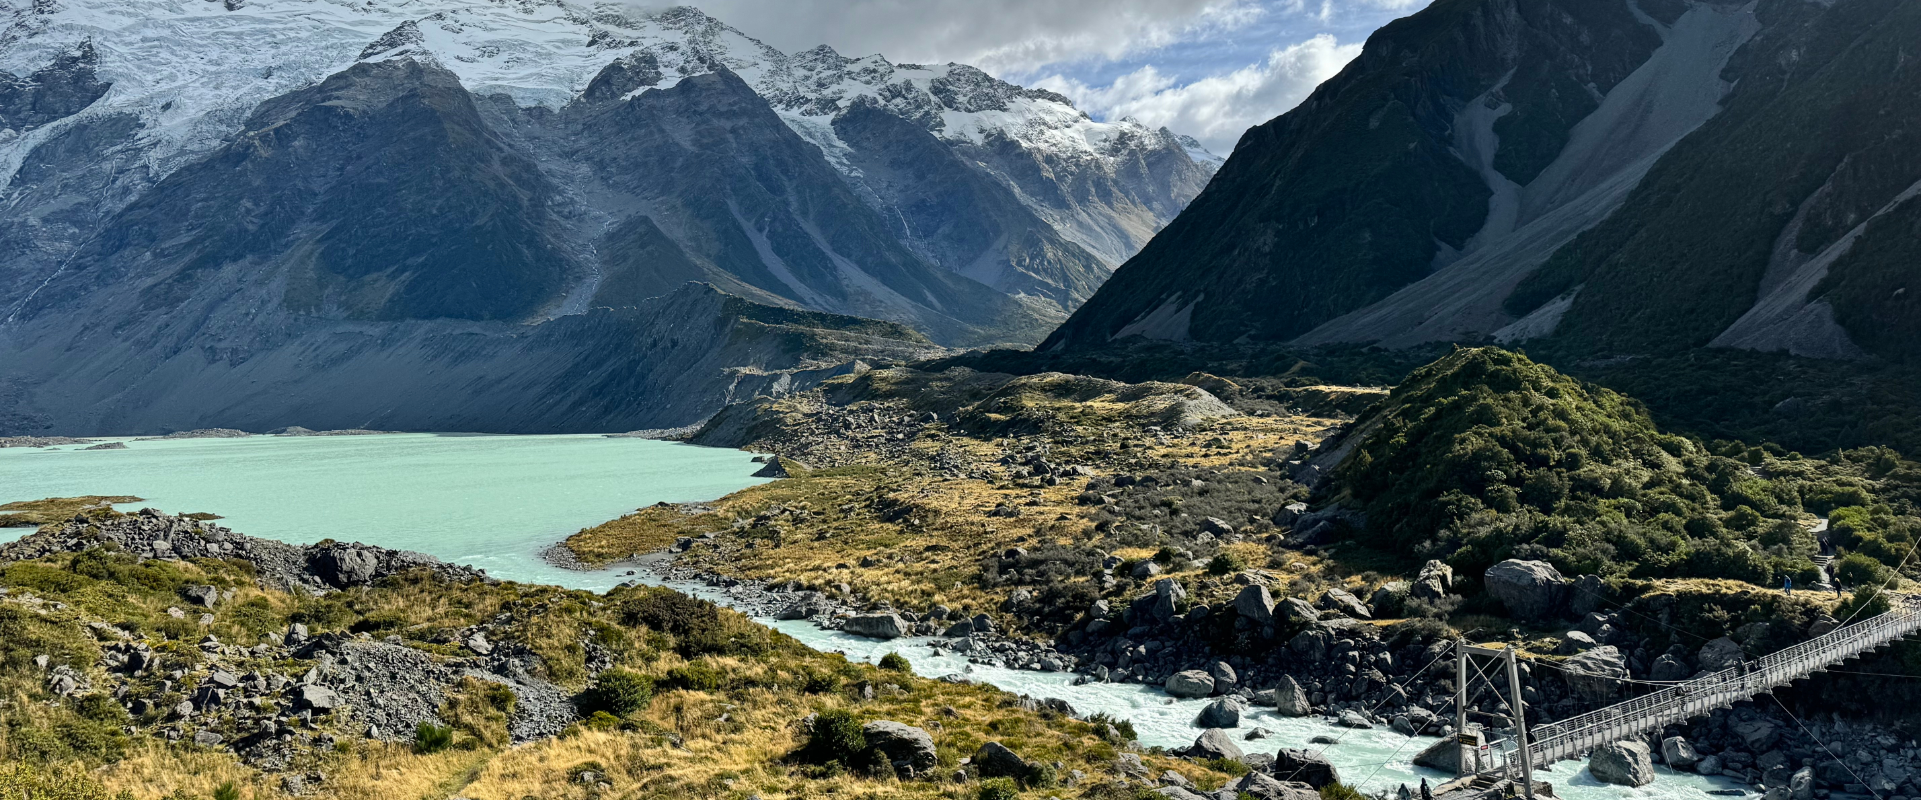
(1485, 455)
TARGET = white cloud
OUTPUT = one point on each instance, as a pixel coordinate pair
(1219, 108)
(1012, 36)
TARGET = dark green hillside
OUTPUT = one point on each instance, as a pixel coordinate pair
(1485, 455)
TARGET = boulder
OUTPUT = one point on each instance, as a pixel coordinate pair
(1622, 764)
(1434, 581)
(994, 760)
(909, 749)
(316, 697)
(1215, 743)
(1757, 734)
(1310, 645)
(345, 565)
(1345, 603)
(1801, 784)
(1576, 642)
(1290, 700)
(1264, 787)
(1190, 683)
(1390, 600)
(1296, 611)
(1531, 590)
(1353, 719)
(1668, 668)
(1445, 755)
(1595, 675)
(1589, 594)
(1222, 713)
(1720, 654)
(1676, 752)
(1178, 793)
(203, 595)
(1255, 604)
(1709, 765)
(877, 626)
(1225, 678)
(1305, 767)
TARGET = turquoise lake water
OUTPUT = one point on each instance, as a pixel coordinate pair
(490, 501)
(496, 501)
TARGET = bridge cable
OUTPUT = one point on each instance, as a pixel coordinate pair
(1824, 746)
(1377, 706)
(1453, 700)
(1892, 577)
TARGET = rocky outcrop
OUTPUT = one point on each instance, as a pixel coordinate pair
(1215, 743)
(314, 568)
(1531, 590)
(1622, 764)
(1290, 700)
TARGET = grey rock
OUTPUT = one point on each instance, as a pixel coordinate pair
(1595, 675)
(1576, 642)
(1265, 787)
(316, 697)
(910, 749)
(1676, 752)
(1531, 590)
(994, 760)
(1353, 719)
(1756, 734)
(1622, 763)
(1445, 755)
(1720, 654)
(1709, 765)
(1346, 603)
(1215, 743)
(1255, 604)
(204, 595)
(1296, 611)
(877, 626)
(1801, 784)
(1305, 767)
(1434, 581)
(1222, 713)
(1290, 700)
(1190, 683)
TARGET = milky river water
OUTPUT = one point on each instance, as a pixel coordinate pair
(496, 501)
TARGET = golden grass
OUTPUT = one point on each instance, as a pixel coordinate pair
(28, 513)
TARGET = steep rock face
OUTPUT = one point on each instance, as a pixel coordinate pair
(1730, 175)
(960, 217)
(1786, 222)
(1362, 189)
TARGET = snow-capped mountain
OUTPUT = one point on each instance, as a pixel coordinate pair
(190, 187)
(188, 73)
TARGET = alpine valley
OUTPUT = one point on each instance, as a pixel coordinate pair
(369, 214)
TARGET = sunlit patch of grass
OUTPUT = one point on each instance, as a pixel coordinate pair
(28, 513)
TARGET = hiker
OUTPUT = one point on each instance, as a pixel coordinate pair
(1426, 793)
(1787, 584)
(1837, 590)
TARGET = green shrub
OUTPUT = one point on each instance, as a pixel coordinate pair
(998, 789)
(895, 662)
(816, 682)
(1859, 571)
(835, 737)
(602, 721)
(1341, 791)
(698, 627)
(1103, 720)
(379, 622)
(698, 676)
(226, 791)
(431, 738)
(1225, 563)
(618, 692)
(1227, 765)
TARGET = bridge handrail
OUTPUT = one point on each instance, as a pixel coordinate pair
(1740, 681)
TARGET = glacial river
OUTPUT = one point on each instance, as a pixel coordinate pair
(496, 501)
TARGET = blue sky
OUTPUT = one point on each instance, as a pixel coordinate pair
(1207, 68)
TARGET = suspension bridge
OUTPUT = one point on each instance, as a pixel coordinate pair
(1569, 738)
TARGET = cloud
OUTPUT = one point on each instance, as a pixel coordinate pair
(1216, 109)
(1012, 36)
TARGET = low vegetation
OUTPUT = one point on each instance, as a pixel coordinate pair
(1486, 455)
(678, 696)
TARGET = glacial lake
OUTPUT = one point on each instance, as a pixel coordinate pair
(493, 502)
(496, 501)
